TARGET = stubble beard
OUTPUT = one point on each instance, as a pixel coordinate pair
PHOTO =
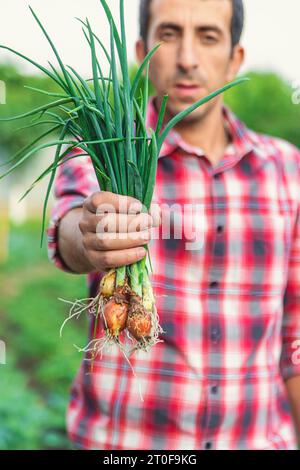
(196, 117)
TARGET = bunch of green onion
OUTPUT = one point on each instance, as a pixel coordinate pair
(124, 154)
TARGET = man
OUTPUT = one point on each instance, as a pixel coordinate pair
(230, 310)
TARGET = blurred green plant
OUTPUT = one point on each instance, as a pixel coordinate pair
(18, 100)
(40, 367)
(266, 106)
(29, 421)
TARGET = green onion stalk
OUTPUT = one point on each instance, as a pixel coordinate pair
(105, 117)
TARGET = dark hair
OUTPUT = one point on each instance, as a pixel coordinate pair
(237, 22)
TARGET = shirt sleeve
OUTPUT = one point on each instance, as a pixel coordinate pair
(290, 356)
(75, 181)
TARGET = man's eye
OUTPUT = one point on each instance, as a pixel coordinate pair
(167, 35)
(209, 39)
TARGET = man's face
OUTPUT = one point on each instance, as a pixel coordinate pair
(196, 56)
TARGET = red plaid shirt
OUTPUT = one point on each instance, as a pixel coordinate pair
(230, 309)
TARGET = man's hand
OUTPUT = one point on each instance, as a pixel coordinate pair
(109, 231)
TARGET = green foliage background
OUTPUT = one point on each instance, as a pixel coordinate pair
(40, 366)
(18, 101)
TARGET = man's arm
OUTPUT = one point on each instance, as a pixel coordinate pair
(290, 364)
(293, 388)
(74, 182)
(70, 246)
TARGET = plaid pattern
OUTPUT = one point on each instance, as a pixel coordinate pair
(230, 309)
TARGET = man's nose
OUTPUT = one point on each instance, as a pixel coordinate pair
(187, 57)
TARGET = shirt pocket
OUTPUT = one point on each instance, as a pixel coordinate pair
(260, 247)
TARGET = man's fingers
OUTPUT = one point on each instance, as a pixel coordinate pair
(105, 202)
(115, 223)
(119, 223)
(156, 214)
(117, 258)
(117, 241)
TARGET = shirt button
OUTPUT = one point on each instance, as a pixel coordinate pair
(214, 389)
(214, 285)
(220, 229)
(215, 334)
(217, 176)
(208, 445)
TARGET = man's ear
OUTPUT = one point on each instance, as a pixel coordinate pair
(140, 50)
(236, 61)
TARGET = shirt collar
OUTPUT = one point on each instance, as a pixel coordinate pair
(243, 140)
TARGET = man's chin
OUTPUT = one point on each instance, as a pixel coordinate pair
(176, 107)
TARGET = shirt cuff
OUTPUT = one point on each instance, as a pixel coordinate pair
(64, 205)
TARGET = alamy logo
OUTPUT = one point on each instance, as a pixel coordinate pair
(2, 92)
(184, 220)
(2, 352)
(296, 353)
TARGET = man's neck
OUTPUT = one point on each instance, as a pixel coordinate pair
(208, 133)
